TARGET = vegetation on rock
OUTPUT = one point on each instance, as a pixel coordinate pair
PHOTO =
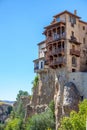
(35, 82)
(43, 121)
(76, 121)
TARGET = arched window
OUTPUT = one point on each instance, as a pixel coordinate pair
(74, 61)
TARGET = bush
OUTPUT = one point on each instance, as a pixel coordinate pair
(43, 121)
(15, 124)
(76, 121)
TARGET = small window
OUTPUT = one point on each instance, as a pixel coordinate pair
(49, 33)
(72, 20)
(63, 44)
(73, 70)
(74, 61)
(73, 47)
(83, 27)
(69, 18)
(72, 34)
(41, 65)
(84, 40)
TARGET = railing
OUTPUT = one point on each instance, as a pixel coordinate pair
(46, 62)
(58, 61)
(56, 51)
(73, 38)
(74, 52)
(56, 37)
(36, 68)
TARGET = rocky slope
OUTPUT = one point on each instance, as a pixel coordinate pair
(5, 110)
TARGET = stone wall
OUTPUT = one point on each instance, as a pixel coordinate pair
(80, 80)
(46, 87)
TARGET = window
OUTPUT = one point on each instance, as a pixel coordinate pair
(55, 36)
(41, 65)
(83, 27)
(84, 40)
(72, 34)
(73, 70)
(74, 61)
(73, 47)
(58, 19)
(72, 19)
(49, 33)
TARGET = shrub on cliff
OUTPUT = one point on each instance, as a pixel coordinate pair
(35, 82)
(14, 124)
(76, 121)
(43, 121)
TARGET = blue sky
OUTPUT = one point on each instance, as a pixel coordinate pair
(21, 27)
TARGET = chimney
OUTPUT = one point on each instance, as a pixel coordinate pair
(75, 12)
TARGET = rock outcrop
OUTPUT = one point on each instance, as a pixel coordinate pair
(5, 110)
(67, 99)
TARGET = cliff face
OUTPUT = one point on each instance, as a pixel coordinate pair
(54, 85)
(5, 110)
(66, 101)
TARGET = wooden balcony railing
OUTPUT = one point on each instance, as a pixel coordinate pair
(75, 52)
(56, 51)
(73, 38)
(56, 37)
(60, 61)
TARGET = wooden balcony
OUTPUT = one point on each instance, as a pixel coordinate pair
(56, 52)
(75, 52)
(74, 40)
(56, 37)
(46, 62)
(60, 61)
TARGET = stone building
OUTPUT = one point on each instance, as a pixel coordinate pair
(62, 63)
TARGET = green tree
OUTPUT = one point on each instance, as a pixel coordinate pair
(21, 93)
(18, 109)
(76, 121)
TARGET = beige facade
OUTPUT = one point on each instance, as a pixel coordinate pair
(66, 38)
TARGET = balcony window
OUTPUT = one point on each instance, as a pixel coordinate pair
(49, 33)
(55, 36)
(36, 66)
(72, 20)
(58, 19)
